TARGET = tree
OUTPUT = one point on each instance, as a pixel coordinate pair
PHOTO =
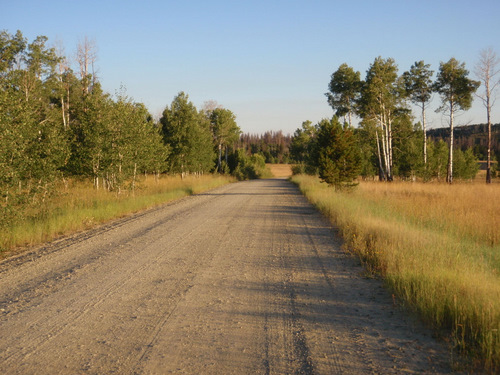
(338, 154)
(345, 85)
(436, 166)
(366, 136)
(408, 161)
(224, 130)
(62, 90)
(86, 56)
(41, 61)
(250, 167)
(90, 135)
(201, 154)
(418, 86)
(32, 144)
(149, 151)
(187, 132)
(379, 103)
(11, 48)
(486, 70)
(302, 149)
(466, 165)
(301, 140)
(209, 106)
(135, 143)
(456, 91)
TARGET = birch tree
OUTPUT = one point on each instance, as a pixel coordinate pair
(487, 71)
(455, 89)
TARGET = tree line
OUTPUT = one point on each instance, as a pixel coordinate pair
(272, 145)
(387, 143)
(56, 121)
(472, 136)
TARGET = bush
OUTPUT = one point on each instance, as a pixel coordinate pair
(251, 167)
(298, 169)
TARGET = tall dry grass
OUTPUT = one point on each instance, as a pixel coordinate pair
(437, 246)
(78, 206)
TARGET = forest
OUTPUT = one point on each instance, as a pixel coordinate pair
(56, 122)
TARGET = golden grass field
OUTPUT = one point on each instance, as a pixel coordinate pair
(436, 245)
(280, 170)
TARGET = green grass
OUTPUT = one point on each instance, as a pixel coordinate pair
(78, 206)
(436, 246)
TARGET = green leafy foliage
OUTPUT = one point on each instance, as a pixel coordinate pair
(418, 83)
(225, 131)
(456, 91)
(250, 167)
(454, 86)
(187, 132)
(389, 144)
(300, 147)
(32, 143)
(344, 91)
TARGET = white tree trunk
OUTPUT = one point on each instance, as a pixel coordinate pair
(425, 133)
(389, 146)
(381, 173)
(449, 176)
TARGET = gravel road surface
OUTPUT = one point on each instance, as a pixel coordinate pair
(244, 279)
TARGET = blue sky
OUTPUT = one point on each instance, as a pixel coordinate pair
(268, 61)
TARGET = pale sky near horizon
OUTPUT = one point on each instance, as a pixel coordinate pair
(268, 61)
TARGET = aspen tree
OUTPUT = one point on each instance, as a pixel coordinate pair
(345, 85)
(187, 132)
(379, 101)
(86, 56)
(487, 70)
(456, 91)
(224, 130)
(418, 86)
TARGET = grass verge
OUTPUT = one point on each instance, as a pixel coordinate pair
(436, 246)
(78, 206)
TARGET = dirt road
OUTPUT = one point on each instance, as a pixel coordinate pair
(245, 279)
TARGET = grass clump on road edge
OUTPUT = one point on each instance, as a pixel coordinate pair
(436, 246)
(79, 206)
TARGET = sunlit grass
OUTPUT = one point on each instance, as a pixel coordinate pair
(78, 206)
(437, 246)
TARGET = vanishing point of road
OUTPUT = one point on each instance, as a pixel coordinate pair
(245, 279)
